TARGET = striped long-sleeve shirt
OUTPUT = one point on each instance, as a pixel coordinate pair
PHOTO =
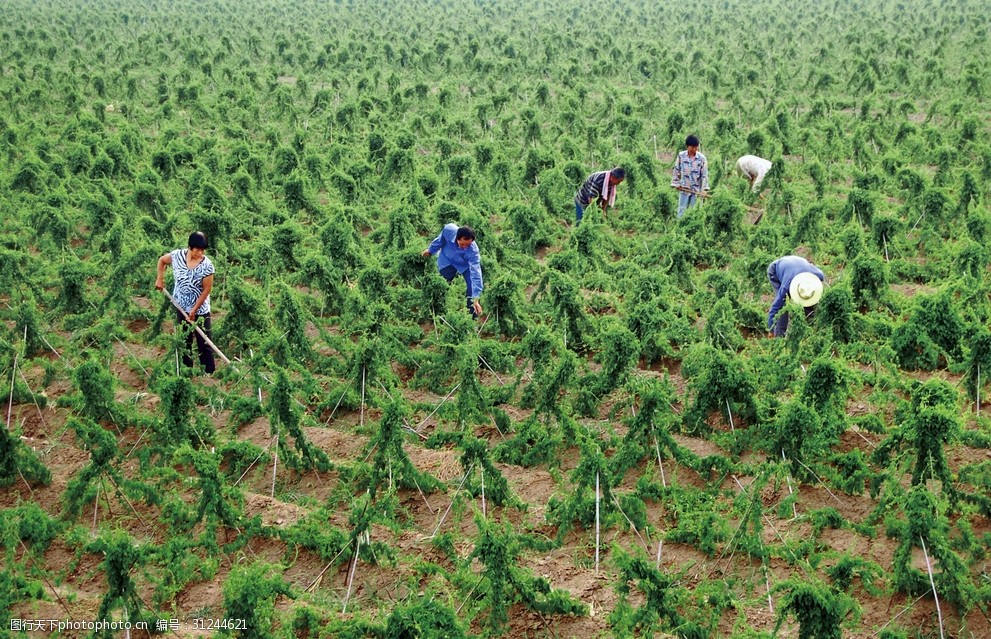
(591, 189)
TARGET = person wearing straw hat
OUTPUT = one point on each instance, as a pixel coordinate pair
(792, 277)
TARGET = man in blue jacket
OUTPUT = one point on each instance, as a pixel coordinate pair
(457, 254)
(795, 277)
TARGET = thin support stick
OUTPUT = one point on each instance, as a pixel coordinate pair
(730, 413)
(10, 401)
(597, 530)
(767, 585)
(325, 569)
(96, 505)
(630, 522)
(50, 346)
(917, 221)
(481, 471)
(126, 501)
(415, 483)
(354, 566)
(822, 483)
(491, 370)
(978, 390)
(454, 499)
(660, 546)
(442, 402)
(794, 511)
(50, 586)
(932, 583)
(361, 414)
(251, 465)
(275, 464)
(657, 449)
(336, 406)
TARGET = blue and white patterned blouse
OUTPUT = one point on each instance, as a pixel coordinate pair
(189, 282)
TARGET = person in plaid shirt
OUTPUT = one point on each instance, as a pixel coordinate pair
(690, 175)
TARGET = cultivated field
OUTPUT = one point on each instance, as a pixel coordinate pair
(615, 448)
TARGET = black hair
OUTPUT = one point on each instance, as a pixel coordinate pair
(692, 140)
(618, 173)
(465, 232)
(197, 239)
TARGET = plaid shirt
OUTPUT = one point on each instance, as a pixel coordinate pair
(692, 173)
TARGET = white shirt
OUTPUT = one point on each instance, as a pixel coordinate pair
(753, 167)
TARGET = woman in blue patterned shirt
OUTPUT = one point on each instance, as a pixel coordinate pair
(193, 272)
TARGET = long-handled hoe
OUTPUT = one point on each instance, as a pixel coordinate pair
(198, 330)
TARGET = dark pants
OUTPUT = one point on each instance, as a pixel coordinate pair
(449, 273)
(579, 212)
(205, 352)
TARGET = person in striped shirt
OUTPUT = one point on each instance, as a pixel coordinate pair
(690, 175)
(193, 272)
(601, 185)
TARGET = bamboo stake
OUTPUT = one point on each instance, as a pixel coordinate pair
(794, 511)
(978, 391)
(361, 414)
(630, 522)
(354, 566)
(657, 449)
(597, 531)
(454, 499)
(50, 346)
(660, 545)
(767, 585)
(932, 583)
(498, 379)
(730, 413)
(822, 483)
(442, 402)
(252, 464)
(10, 400)
(49, 584)
(96, 505)
(275, 463)
(481, 471)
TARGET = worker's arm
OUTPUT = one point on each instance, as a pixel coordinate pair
(163, 261)
(207, 287)
(777, 305)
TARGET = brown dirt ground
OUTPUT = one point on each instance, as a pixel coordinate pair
(76, 584)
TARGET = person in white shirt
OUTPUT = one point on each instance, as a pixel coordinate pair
(754, 169)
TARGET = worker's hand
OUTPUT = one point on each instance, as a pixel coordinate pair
(703, 194)
(476, 307)
(426, 253)
(160, 284)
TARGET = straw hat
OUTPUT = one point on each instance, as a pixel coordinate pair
(805, 289)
